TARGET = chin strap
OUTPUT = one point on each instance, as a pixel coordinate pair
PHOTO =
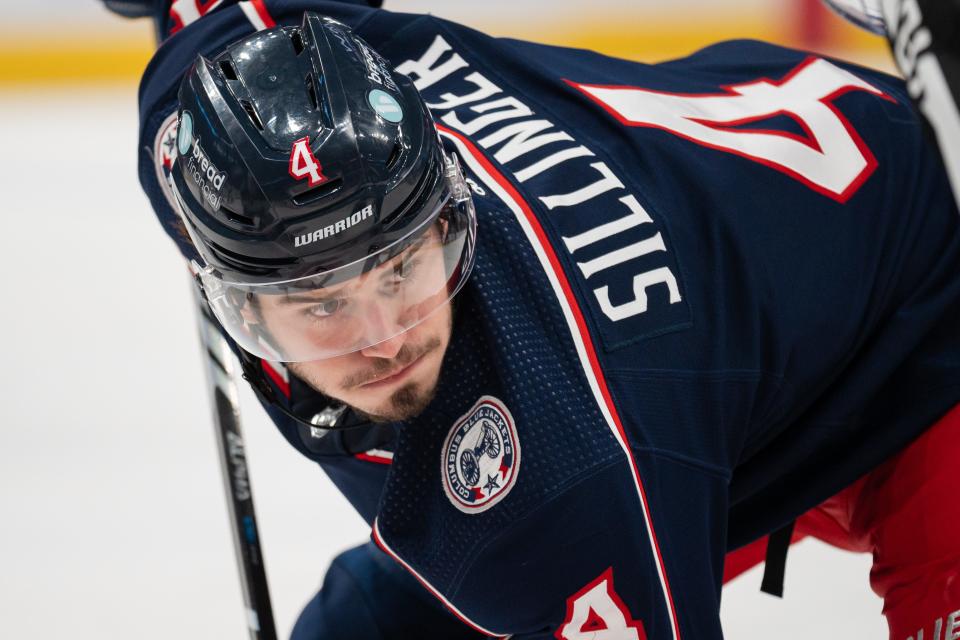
(328, 419)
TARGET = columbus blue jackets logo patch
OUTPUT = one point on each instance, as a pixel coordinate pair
(165, 154)
(481, 457)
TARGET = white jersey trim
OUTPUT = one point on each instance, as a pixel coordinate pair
(252, 15)
(472, 157)
(378, 539)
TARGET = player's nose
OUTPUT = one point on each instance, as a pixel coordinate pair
(384, 331)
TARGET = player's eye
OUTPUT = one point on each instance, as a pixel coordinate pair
(326, 308)
(405, 268)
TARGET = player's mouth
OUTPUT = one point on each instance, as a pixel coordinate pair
(393, 378)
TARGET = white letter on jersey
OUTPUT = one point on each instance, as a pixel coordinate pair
(484, 90)
(507, 108)
(619, 256)
(637, 216)
(601, 186)
(639, 303)
(422, 71)
(830, 158)
(522, 138)
(596, 612)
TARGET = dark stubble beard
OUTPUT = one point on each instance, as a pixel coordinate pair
(406, 402)
(411, 398)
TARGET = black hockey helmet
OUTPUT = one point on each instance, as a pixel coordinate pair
(306, 168)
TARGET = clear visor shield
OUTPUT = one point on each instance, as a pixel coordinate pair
(357, 305)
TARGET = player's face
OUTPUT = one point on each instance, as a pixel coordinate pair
(394, 378)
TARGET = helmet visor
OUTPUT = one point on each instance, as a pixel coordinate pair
(357, 305)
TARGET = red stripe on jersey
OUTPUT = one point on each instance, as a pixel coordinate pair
(367, 457)
(383, 546)
(276, 377)
(585, 337)
(263, 13)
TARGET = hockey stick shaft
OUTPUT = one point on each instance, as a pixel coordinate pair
(233, 464)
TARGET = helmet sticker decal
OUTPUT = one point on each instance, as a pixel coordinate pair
(481, 457)
(208, 178)
(185, 133)
(338, 31)
(385, 105)
(378, 69)
(335, 228)
(303, 164)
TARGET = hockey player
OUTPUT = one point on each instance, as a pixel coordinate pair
(616, 320)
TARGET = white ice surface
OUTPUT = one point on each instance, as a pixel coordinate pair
(112, 518)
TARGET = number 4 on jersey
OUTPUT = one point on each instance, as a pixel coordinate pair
(830, 157)
(303, 164)
(596, 612)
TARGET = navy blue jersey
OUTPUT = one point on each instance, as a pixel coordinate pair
(708, 294)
